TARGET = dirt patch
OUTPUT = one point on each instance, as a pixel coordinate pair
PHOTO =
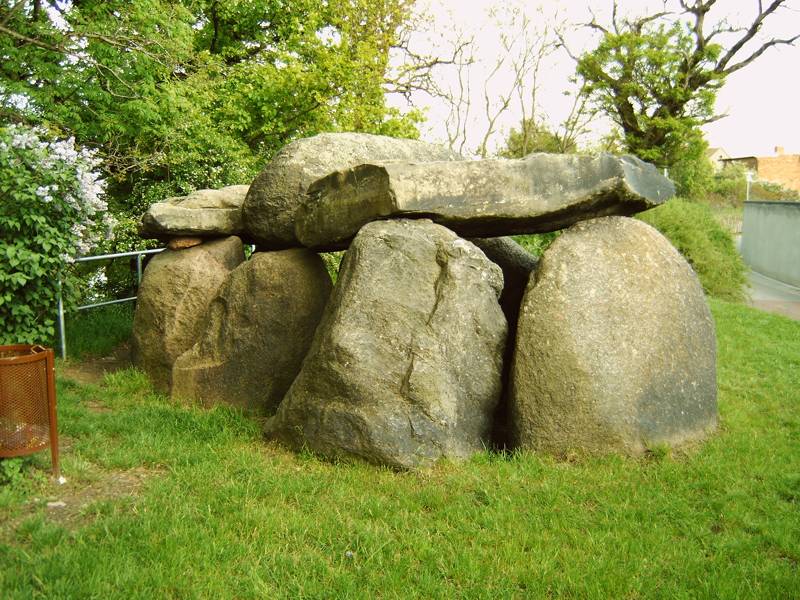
(77, 503)
(92, 370)
(65, 443)
(787, 309)
(96, 407)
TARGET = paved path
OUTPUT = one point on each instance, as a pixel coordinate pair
(774, 296)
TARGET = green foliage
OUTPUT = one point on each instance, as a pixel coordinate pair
(534, 137)
(177, 96)
(729, 187)
(705, 244)
(690, 169)
(333, 261)
(183, 95)
(220, 514)
(11, 471)
(537, 243)
(51, 212)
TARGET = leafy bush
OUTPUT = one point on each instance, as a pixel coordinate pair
(729, 187)
(690, 168)
(333, 262)
(707, 246)
(52, 212)
(536, 243)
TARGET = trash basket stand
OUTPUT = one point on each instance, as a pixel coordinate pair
(27, 382)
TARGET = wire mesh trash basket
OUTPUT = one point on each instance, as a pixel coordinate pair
(28, 402)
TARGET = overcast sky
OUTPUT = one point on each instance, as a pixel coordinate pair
(762, 100)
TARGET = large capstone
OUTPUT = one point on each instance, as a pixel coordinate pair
(257, 331)
(280, 189)
(615, 345)
(481, 198)
(405, 366)
(204, 213)
(176, 290)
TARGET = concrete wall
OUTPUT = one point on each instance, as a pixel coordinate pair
(771, 239)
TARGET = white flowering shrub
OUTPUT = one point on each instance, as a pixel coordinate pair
(51, 212)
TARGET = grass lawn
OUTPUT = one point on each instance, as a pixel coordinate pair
(167, 501)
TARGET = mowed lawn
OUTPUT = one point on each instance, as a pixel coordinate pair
(167, 501)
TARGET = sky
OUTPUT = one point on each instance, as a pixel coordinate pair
(762, 100)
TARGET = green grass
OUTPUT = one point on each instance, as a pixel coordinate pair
(97, 331)
(537, 243)
(222, 515)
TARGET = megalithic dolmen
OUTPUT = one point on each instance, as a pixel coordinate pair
(480, 198)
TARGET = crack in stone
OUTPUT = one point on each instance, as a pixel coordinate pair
(438, 285)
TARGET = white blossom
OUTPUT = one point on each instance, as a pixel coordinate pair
(81, 200)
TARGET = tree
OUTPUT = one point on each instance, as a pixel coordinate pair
(490, 79)
(535, 137)
(197, 93)
(657, 76)
(179, 95)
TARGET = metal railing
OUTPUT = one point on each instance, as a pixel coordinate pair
(138, 254)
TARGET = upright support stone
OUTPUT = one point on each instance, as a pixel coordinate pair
(176, 290)
(615, 345)
(257, 331)
(405, 364)
(482, 198)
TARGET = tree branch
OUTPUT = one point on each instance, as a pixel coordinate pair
(11, 11)
(30, 40)
(722, 64)
(740, 65)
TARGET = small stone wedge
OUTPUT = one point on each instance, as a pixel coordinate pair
(480, 198)
(406, 363)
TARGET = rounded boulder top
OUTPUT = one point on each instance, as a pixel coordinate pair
(615, 346)
(278, 191)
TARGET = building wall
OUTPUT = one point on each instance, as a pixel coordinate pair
(716, 156)
(771, 239)
(784, 170)
(748, 162)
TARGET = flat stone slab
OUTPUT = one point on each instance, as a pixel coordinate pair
(481, 198)
(204, 213)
